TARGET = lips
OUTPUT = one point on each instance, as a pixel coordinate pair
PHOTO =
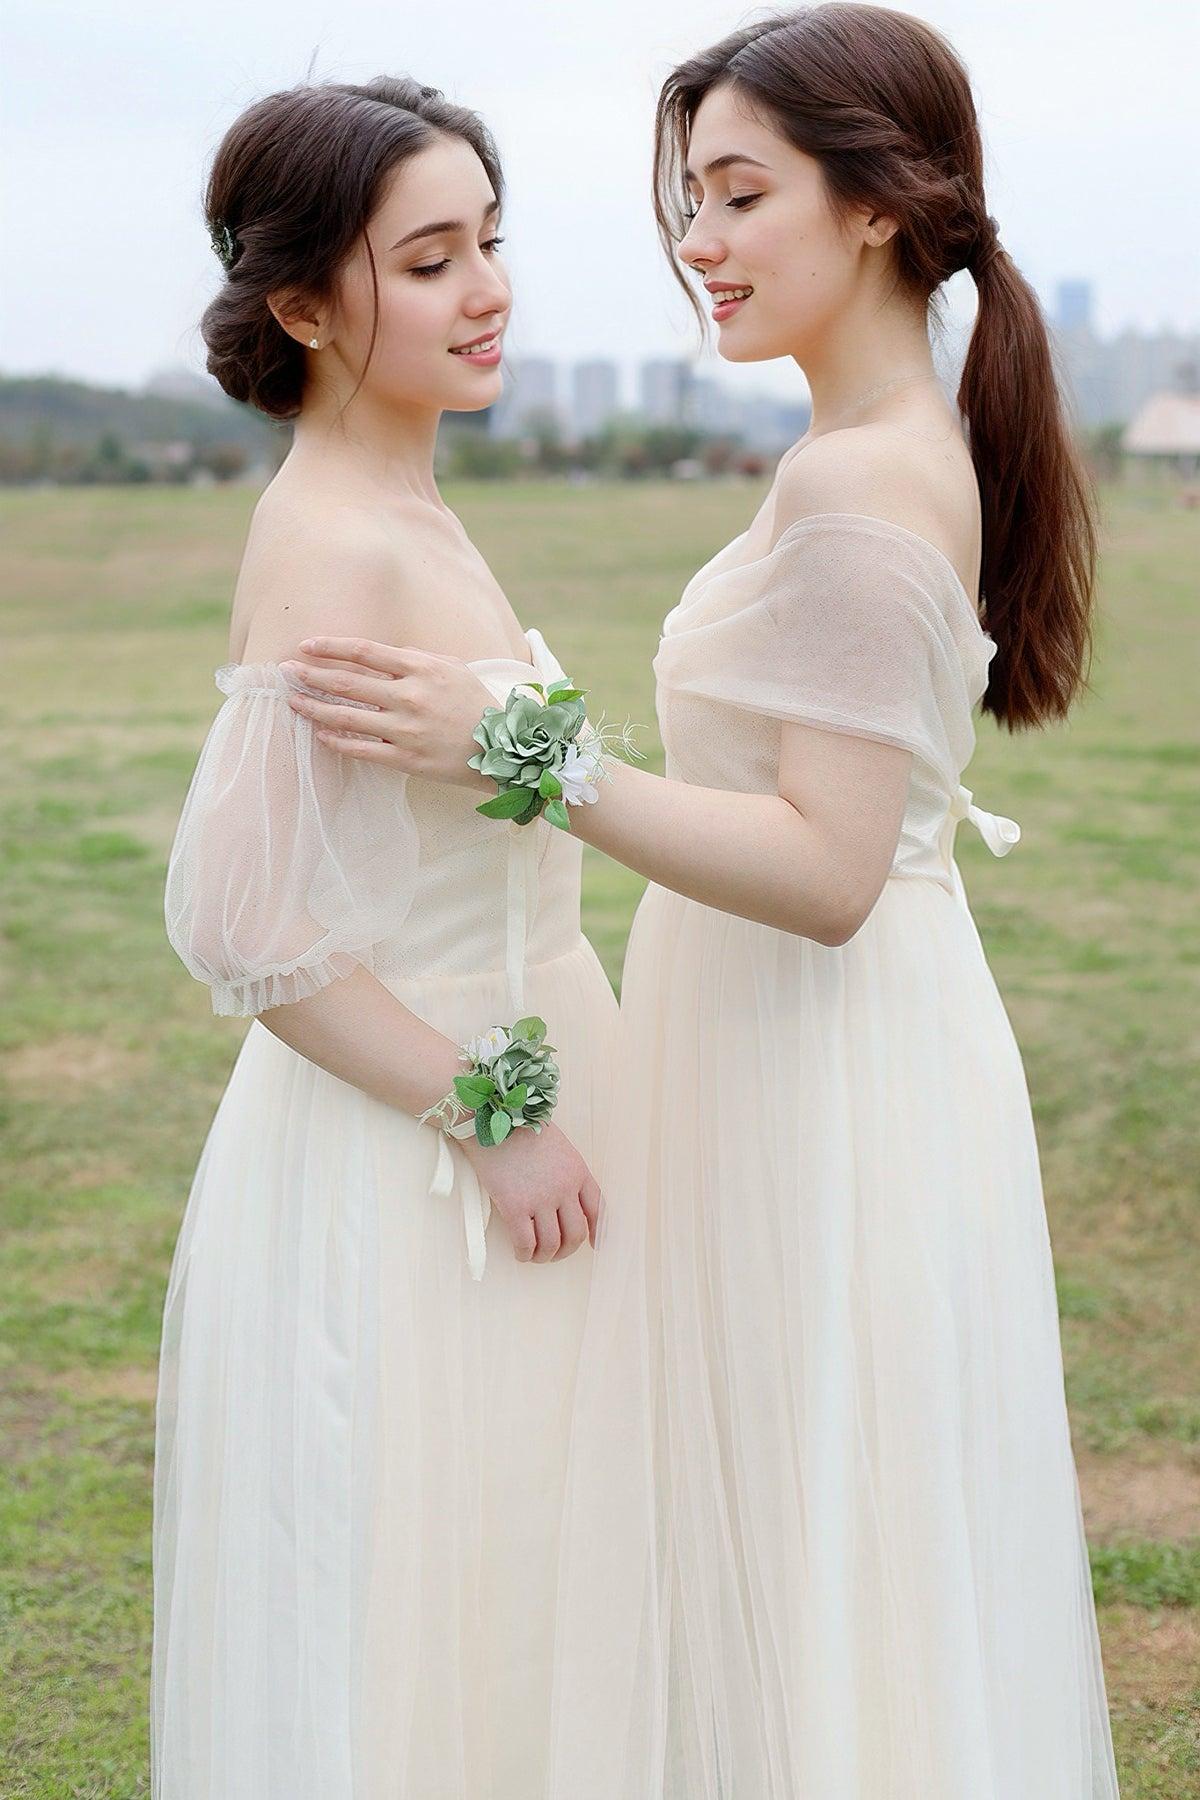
(475, 342)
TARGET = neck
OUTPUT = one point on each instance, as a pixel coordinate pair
(387, 449)
(867, 349)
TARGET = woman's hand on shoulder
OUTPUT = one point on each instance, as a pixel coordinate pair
(426, 706)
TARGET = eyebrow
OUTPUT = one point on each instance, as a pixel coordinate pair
(441, 226)
(723, 162)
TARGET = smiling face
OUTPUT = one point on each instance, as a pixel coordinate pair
(442, 286)
(762, 222)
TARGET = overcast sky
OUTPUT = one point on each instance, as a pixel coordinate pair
(111, 113)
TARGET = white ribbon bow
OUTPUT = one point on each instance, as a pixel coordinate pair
(997, 832)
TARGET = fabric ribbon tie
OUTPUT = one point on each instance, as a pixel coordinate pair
(997, 832)
(477, 1207)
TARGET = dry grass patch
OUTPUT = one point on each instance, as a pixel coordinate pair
(1153, 1492)
(69, 1065)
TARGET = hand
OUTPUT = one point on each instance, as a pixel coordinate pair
(542, 1189)
(426, 707)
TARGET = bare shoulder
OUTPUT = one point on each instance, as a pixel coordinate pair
(337, 570)
(922, 481)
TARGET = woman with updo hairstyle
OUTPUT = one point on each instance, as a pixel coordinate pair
(364, 1391)
(823, 1536)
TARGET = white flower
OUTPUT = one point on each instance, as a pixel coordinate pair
(579, 775)
(487, 1048)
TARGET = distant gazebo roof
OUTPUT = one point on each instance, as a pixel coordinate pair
(1166, 425)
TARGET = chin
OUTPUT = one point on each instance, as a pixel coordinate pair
(743, 352)
(486, 392)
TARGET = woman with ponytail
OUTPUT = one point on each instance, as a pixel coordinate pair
(823, 1537)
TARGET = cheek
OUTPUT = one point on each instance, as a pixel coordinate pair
(413, 319)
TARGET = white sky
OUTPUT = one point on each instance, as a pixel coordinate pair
(111, 112)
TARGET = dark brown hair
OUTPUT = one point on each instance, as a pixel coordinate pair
(295, 180)
(883, 103)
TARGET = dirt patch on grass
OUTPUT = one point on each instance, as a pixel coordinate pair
(137, 1384)
(69, 1064)
(1150, 1658)
(1152, 1492)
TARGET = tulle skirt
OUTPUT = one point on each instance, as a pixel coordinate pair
(360, 1450)
(823, 1537)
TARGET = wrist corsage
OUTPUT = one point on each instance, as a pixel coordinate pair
(511, 1080)
(532, 748)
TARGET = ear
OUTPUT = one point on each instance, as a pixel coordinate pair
(295, 315)
(878, 229)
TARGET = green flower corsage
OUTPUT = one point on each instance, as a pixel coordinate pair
(531, 748)
(511, 1080)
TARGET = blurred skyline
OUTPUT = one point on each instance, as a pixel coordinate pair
(111, 116)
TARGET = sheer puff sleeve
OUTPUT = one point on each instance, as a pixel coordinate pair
(290, 863)
(848, 623)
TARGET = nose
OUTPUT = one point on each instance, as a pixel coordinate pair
(490, 293)
(699, 247)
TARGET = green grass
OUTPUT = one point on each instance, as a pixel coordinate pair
(112, 1062)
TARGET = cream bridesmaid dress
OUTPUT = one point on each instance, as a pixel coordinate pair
(364, 1400)
(823, 1535)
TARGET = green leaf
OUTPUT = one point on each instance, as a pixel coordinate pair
(549, 787)
(501, 1126)
(474, 1090)
(560, 695)
(556, 814)
(531, 1028)
(516, 1097)
(506, 805)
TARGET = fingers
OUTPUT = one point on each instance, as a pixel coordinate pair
(549, 1236)
(524, 1238)
(365, 749)
(377, 690)
(338, 718)
(573, 1227)
(589, 1203)
(384, 659)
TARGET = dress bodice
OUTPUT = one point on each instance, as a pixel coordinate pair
(848, 623)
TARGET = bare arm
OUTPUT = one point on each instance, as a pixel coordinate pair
(811, 859)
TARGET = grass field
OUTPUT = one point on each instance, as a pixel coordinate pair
(112, 1062)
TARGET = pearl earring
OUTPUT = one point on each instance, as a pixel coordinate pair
(312, 344)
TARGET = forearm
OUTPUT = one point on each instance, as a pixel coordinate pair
(753, 855)
(359, 1031)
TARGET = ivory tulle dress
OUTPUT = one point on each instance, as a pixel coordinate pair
(361, 1447)
(823, 1536)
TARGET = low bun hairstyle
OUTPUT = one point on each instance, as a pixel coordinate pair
(294, 182)
(883, 103)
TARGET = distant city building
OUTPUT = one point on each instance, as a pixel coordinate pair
(595, 392)
(1073, 306)
(714, 409)
(665, 391)
(770, 425)
(530, 394)
(1106, 380)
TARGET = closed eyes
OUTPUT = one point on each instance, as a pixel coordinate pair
(738, 201)
(428, 269)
